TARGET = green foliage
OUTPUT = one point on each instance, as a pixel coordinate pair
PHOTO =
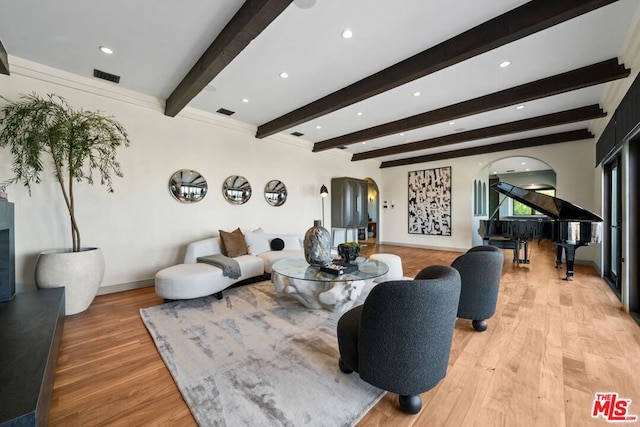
(351, 244)
(80, 143)
(522, 209)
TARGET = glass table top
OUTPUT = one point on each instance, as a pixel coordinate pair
(299, 268)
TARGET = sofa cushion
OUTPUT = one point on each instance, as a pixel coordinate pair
(257, 243)
(291, 242)
(210, 246)
(277, 244)
(233, 243)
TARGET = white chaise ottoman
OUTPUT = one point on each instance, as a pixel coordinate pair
(186, 281)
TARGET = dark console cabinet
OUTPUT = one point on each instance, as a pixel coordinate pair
(30, 333)
(7, 251)
(349, 203)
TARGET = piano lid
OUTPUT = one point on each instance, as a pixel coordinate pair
(551, 206)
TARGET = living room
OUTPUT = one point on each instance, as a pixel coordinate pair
(142, 229)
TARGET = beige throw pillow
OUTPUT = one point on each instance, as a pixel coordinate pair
(233, 243)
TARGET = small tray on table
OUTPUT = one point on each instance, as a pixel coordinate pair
(339, 267)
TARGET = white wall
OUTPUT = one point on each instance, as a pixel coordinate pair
(573, 163)
(140, 227)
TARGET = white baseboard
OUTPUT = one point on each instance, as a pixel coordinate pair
(103, 290)
(436, 248)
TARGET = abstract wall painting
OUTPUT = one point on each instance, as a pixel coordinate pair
(430, 202)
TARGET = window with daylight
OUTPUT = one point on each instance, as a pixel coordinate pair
(522, 209)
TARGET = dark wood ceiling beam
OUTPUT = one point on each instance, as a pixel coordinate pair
(580, 78)
(4, 60)
(554, 119)
(556, 138)
(252, 18)
(520, 22)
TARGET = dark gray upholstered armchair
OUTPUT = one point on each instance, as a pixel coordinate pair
(480, 272)
(399, 340)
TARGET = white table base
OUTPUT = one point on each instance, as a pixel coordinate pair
(336, 296)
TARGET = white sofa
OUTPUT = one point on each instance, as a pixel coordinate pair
(193, 279)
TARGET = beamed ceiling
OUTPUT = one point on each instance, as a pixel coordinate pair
(418, 81)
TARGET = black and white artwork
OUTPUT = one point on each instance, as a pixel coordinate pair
(430, 202)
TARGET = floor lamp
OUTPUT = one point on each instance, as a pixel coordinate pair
(323, 193)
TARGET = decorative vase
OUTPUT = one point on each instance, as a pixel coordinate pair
(80, 273)
(317, 244)
(348, 253)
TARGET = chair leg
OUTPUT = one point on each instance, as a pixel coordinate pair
(344, 368)
(219, 295)
(410, 404)
(479, 325)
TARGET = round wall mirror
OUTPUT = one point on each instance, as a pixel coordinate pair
(188, 186)
(236, 189)
(275, 192)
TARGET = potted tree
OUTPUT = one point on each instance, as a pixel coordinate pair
(79, 144)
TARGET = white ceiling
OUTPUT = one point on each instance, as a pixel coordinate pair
(156, 42)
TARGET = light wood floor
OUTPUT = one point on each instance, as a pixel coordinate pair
(550, 346)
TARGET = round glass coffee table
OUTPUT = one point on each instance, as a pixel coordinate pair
(315, 288)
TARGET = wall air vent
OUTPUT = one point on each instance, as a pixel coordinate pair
(106, 76)
(297, 133)
(225, 111)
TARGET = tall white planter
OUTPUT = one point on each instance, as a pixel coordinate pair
(81, 274)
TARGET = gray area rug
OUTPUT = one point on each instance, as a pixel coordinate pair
(258, 358)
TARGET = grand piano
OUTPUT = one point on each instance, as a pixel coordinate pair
(569, 226)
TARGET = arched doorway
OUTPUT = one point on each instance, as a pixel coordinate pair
(372, 232)
(521, 171)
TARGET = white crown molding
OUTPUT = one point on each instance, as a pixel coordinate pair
(34, 70)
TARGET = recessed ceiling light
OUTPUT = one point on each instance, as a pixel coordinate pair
(505, 64)
(318, 127)
(416, 93)
(402, 134)
(347, 33)
(106, 50)
(359, 113)
(523, 163)
(304, 4)
(452, 123)
(284, 75)
(519, 107)
(364, 142)
(527, 169)
(245, 100)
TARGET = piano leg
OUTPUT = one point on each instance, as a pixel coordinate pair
(570, 255)
(558, 255)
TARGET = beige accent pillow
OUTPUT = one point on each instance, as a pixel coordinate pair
(233, 243)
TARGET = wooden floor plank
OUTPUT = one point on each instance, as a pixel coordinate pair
(551, 345)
